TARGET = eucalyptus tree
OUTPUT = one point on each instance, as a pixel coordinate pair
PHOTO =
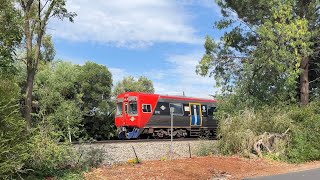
(36, 15)
(267, 49)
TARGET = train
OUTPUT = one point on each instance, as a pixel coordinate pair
(144, 115)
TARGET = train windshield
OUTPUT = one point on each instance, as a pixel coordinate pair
(119, 109)
(133, 107)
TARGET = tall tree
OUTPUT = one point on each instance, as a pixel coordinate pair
(95, 82)
(36, 14)
(128, 84)
(266, 50)
(10, 33)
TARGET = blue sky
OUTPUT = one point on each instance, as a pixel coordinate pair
(160, 39)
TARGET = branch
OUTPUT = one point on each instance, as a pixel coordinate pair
(314, 80)
(47, 14)
(247, 24)
(29, 3)
(44, 6)
(33, 25)
(253, 75)
(23, 5)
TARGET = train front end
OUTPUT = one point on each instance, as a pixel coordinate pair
(127, 118)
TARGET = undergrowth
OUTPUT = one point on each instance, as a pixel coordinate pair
(240, 131)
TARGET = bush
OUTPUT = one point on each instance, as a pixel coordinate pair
(205, 148)
(13, 134)
(48, 156)
(89, 157)
(239, 131)
(305, 138)
(51, 158)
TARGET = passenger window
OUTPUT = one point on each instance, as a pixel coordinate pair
(146, 108)
(119, 109)
(178, 108)
(133, 107)
(211, 110)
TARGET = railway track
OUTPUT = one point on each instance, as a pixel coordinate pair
(138, 141)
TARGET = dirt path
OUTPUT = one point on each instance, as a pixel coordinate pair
(198, 168)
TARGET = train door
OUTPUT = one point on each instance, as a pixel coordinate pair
(195, 114)
(125, 114)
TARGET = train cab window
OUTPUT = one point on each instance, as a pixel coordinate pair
(119, 109)
(146, 108)
(133, 107)
(178, 109)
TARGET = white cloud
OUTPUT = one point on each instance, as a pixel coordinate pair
(181, 77)
(124, 23)
(118, 74)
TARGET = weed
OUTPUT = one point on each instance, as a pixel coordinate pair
(163, 158)
(134, 161)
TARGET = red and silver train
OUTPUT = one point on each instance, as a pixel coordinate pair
(148, 115)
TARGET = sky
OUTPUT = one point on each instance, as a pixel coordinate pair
(159, 39)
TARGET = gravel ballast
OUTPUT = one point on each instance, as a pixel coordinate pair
(122, 152)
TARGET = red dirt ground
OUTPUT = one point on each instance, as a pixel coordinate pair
(198, 168)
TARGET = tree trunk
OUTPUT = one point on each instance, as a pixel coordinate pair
(304, 81)
(29, 85)
(28, 102)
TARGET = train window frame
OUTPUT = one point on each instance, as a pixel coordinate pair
(147, 108)
(119, 113)
(182, 110)
(211, 111)
(130, 109)
(126, 108)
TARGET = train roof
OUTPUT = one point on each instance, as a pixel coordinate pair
(182, 98)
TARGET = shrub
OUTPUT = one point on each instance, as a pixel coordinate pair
(89, 157)
(48, 156)
(238, 132)
(13, 134)
(205, 148)
(305, 138)
(51, 158)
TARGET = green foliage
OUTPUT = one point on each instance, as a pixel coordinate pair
(129, 84)
(205, 149)
(163, 158)
(49, 157)
(73, 97)
(89, 157)
(47, 154)
(239, 130)
(57, 98)
(13, 134)
(48, 52)
(305, 139)
(95, 82)
(260, 54)
(10, 34)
